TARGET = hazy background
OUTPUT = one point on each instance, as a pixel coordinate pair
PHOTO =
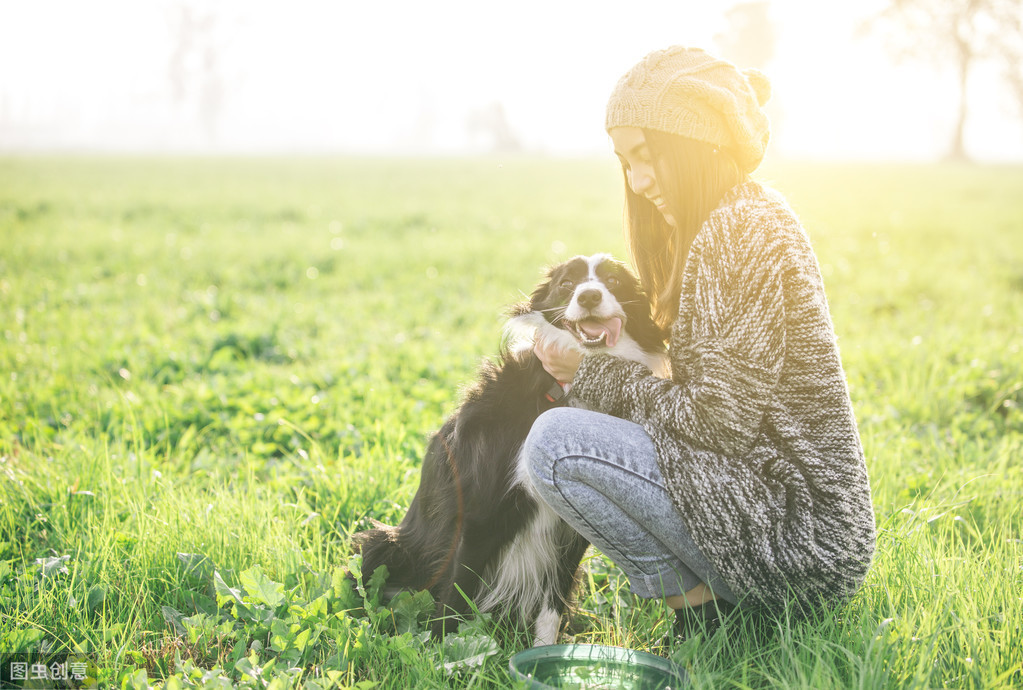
(455, 77)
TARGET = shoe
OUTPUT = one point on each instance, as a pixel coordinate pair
(692, 620)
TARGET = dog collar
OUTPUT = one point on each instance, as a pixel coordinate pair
(555, 393)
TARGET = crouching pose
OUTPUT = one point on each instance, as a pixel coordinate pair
(741, 479)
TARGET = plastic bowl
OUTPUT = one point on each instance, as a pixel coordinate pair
(580, 666)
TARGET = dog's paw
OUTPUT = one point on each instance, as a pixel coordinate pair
(520, 330)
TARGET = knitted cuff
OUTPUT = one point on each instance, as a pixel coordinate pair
(601, 382)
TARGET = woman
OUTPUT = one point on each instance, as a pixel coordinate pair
(741, 480)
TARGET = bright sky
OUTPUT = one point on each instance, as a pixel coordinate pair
(394, 76)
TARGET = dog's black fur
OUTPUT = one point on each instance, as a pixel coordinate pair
(474, 520)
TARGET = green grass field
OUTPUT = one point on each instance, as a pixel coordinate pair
(213, 371)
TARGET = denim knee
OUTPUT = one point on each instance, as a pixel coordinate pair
(536, 453)
(537, 448)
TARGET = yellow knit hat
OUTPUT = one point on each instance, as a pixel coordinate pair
(688, 92)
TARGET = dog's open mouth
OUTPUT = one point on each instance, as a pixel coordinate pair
(597, 332)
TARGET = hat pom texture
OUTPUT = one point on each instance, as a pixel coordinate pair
(688, 92)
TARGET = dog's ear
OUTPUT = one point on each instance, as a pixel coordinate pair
(538, 297)
(542, 291)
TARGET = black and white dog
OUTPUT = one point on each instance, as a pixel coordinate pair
(475, 531)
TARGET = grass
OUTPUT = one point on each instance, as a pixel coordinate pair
(213, 371)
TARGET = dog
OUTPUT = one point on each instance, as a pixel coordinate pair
(475, 531)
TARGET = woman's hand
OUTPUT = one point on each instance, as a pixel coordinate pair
(560, 362)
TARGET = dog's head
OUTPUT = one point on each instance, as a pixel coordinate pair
(598, 301)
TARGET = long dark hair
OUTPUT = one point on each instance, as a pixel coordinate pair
(702, 173)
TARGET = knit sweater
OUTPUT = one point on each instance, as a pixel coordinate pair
(754, 432)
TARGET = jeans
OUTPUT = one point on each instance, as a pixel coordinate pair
(600, 474)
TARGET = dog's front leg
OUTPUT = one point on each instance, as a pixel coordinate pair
(478, 547)
(571, 548)
(484, 537)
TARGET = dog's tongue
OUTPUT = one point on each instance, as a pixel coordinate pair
(612, 327)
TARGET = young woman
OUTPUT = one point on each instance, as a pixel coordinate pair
(741, 480)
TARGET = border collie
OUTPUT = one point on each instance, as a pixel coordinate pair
(475, 532)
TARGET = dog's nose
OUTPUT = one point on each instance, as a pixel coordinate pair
(588, 299)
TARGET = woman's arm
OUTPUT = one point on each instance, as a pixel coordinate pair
(560, 362)
(726, 372)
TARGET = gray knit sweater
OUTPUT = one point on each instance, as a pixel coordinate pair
(755, 432)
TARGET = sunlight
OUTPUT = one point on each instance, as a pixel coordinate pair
(350, 77)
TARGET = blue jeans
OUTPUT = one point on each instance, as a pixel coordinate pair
(600, 474)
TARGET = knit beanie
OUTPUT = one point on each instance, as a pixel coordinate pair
(688, 92)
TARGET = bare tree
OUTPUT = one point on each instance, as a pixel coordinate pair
(492, 122)
(960, 34)
(194, 65)
(750, 38)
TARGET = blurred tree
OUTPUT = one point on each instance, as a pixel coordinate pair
(492, 122)
(961, 33)
(194, 65)
(750, 38)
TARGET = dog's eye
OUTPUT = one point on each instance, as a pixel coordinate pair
(568, 284)
(612, 282)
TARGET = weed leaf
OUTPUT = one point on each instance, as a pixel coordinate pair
(464, 652)
(23, 640)
(355, 567)
(242, 610)
(173, 617)
(96, 596)
(196, 565)
(343, 589)
(260, 589)
(375, 586)
(411, 611)
(138, 680)
(224, 592)
(52, 566)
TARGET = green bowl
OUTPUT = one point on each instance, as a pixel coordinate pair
(580, 666)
